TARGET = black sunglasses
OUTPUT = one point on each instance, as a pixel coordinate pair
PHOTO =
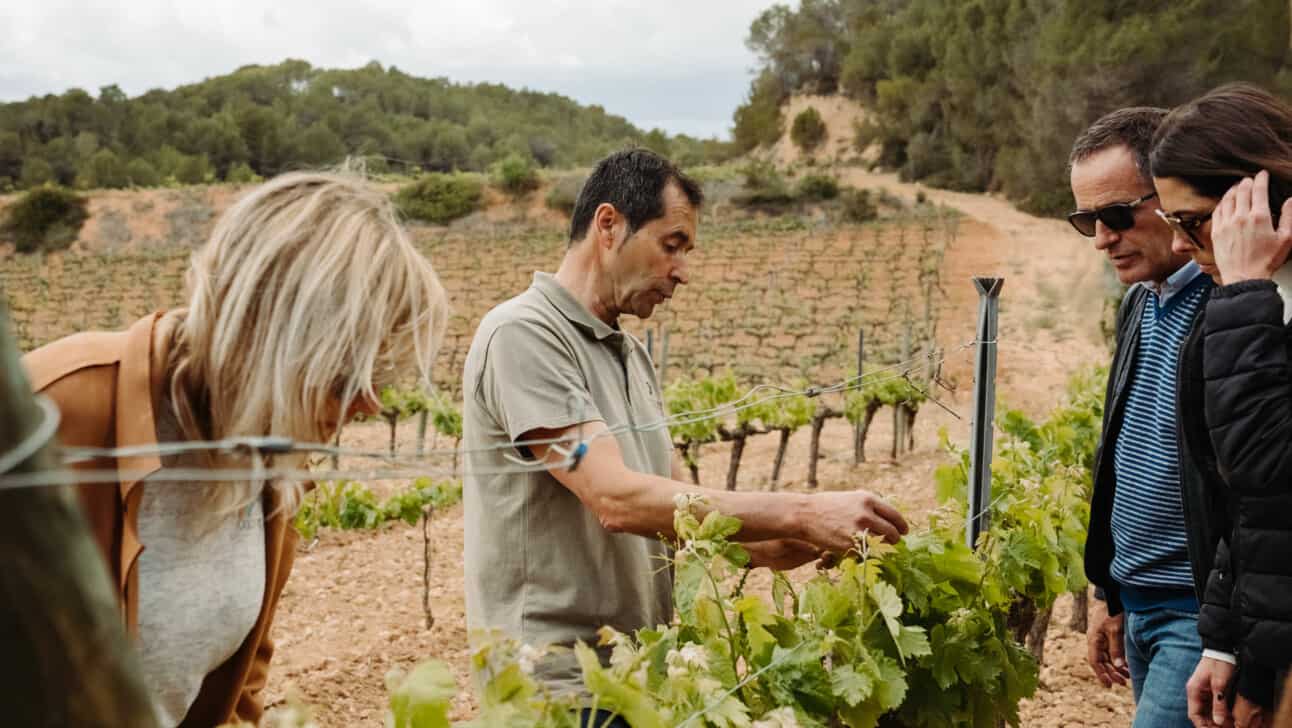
(1118, 216)
(1185, 225)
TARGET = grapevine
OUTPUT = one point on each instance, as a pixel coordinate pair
(922, 633)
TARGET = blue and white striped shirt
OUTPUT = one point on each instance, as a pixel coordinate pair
(1150, 550)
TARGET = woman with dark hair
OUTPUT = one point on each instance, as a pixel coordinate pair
(1222, 166)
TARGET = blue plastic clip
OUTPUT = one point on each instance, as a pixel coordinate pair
(578, 454)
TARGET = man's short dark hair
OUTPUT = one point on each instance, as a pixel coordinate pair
(633, 181)
(1132, 127)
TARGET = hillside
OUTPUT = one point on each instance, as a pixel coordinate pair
(262, 120)
(841, 116)
(988, 96)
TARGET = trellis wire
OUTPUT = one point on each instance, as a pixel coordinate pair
(280, 445)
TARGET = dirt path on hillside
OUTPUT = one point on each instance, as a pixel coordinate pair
(1053, 295)
(352, 610)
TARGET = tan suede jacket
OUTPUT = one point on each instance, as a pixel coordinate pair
(107, 385)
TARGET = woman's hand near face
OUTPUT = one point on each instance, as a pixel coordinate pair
(1247, 245)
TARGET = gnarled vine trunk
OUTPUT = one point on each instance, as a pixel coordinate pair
(814, 448)
(1080, 620)
(781, 449)
(1028, 626)
(859, 448)
(737, 451)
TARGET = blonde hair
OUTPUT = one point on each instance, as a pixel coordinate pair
(307, 293)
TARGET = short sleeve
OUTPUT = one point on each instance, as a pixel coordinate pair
(531, 380)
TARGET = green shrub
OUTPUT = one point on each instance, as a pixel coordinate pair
(759, 121)
(105, 170)
(45, 218)
(142, 173)
(515, 175)
(707, 173)
(192, 170)
(36, 172)
(808, 130)
(565, 192)
(817, 187)
(763, 187)
(241, 174)
(858, 205)
(440, 198)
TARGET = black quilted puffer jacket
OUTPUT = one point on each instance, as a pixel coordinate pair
(1247, 366)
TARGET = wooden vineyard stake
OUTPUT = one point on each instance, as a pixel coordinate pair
(900, 408)
(423, 416)
(427, 513)
(858, 433)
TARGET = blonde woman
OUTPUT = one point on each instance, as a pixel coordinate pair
(307, 299)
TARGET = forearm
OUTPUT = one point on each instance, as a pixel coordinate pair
(627, 501)
(644, 504)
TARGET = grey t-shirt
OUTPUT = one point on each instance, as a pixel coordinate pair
(201, 583)
(539, 565)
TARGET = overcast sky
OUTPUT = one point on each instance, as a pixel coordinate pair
(677, 64)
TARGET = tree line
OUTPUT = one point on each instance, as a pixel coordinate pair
(262, 120)
(987, 95)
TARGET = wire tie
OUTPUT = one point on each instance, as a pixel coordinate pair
(274, 445)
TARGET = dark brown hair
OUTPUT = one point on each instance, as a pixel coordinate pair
(1234, 131)
(1132, 127)
(633, 180)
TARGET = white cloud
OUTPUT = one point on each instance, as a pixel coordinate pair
(676, 64)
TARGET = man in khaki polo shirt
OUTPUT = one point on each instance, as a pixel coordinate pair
(553, 555)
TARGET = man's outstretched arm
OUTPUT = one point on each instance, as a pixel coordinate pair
(630, 502)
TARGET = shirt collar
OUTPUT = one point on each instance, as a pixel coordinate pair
(571, 308)
(1174, 283)
(138, 378)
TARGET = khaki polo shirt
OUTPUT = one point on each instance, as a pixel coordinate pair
(539, 565)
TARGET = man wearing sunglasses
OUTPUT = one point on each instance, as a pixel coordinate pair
(1143, 624)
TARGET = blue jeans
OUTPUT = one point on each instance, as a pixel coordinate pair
(1162, 650)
